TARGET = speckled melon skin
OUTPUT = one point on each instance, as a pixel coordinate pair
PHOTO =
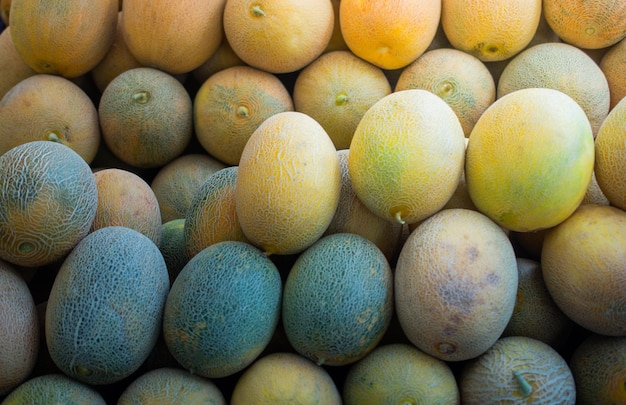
(19, 329)
(223, 309)
(105, 307)
(169, 385)
(48, 201)
(54, 389)
(338, 299)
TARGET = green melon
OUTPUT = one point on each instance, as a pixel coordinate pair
(223, 309)
(338, 299)
(169, 385)
(48, 201)
(518, 369)
(53, 389)
(104, 312)
(19, 329)
(172, 246)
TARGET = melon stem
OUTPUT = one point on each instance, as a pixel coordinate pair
(257, 11)
(399, 218)
(524, 387)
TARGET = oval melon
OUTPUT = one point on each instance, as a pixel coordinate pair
(288, 183)
(222, 309)
(338, 299)
(19, 329)
(105, 307)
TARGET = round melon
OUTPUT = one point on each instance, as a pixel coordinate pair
(338, 299)
(53, 389)
(222, 309)
(48, 201)
(104, 312)
(171, 385)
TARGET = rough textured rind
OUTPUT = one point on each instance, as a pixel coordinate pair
(400, 374)
(48, 201)
(500, 375)
(222, 309)
(172, 386)
(338, 299)
(455, 284)
(53, 389)
(19, 329)
(104, 312)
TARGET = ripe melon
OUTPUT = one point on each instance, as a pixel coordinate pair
(222, 309)
(455, 284)
(518, 369)
(338, 299)
(11, 63)
(173, 386)
(48, 201)
(400, 374)
(55, 389)
(212, 216)
(105, 307)
(288, 183)
(19, 329)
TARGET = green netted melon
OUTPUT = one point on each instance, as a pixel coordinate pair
(222, 309)
(54, 389)
(338, 299)
(48, 201)
(105, 308)
(168, 385)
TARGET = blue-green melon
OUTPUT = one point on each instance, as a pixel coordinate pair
(54, 389)
(338, 299)
(223, 309)
(105, 308)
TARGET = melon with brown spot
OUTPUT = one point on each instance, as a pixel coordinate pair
(455, 284)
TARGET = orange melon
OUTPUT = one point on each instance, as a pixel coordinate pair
(67, 38)
(222, 309)
(337, 299)
(11, 63)
(101, 325)
(19, 329)
(49, 108)
(172, 37)
(48, 202)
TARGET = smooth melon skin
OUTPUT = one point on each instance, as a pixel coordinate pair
(19, 329)
(54, 389)
(48, 201)
(288, 183)
(169, 385)
(338, 299)
(105, 307)
(222, 309)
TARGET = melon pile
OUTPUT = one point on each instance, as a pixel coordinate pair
(315, 201)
